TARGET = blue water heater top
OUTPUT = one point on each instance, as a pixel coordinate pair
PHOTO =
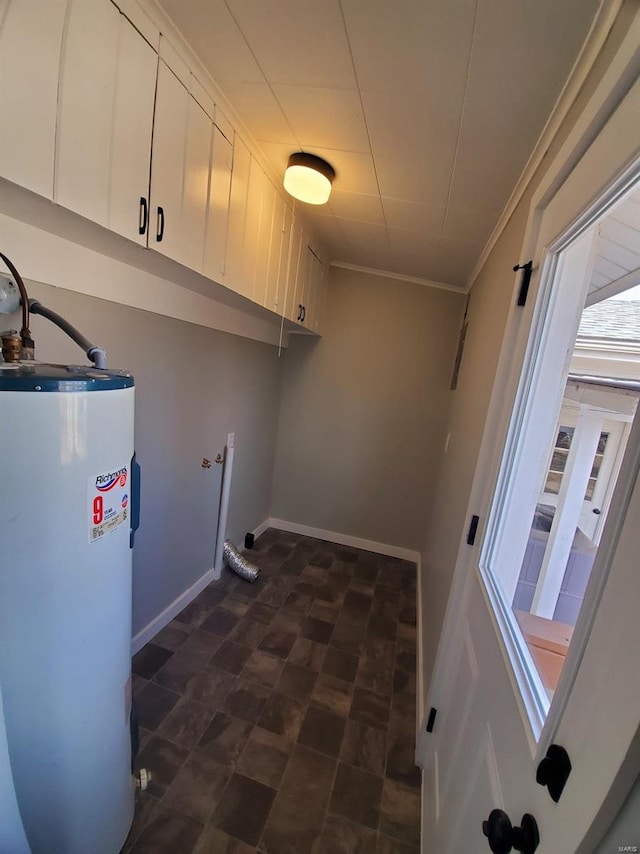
(41, 377)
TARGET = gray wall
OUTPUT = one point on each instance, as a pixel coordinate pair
(193, 386)
(364, 409)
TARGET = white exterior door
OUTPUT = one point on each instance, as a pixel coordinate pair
(602, 466)
(494, 723)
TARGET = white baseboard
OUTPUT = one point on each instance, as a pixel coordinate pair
(344, 540)
(171, 611)
(262, 528)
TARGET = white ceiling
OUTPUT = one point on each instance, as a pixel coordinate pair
(427, 109)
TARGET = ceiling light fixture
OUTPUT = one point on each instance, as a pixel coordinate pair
(309, 178)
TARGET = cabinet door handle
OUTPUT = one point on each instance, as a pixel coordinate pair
(299, 311)
(304, 313)
(144, 216)
(160, 229)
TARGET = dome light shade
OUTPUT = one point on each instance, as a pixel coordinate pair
(309, 178)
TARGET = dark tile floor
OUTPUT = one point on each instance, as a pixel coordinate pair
(279, 717)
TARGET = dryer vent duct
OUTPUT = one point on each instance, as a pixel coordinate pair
(239, 564)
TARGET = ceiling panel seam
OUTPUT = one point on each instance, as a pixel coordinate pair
(262, 71)
(462, 112)
(366, 123)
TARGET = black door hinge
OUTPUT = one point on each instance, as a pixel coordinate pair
(473, 527)
(527, 269)
(431, 719)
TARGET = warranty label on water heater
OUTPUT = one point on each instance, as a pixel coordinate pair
(108, 502)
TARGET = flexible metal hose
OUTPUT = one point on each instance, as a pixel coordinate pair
(239, 564)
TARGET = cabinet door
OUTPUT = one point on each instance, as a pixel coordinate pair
(85, 108)
(234, 264)
(195, 186)
(320, 295)
(167, 163)
(273, 278)
(218, 207)
(255, 196)
(292, 306)
(30, 43)
(268, 241)
(303, 285)
(131, 135)
(284, 262)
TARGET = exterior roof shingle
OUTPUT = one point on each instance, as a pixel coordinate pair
(613, 319)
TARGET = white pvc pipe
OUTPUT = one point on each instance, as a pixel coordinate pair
(224, 504)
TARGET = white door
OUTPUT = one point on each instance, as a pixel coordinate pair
(601, 464)
(29, 95)
(494, 721)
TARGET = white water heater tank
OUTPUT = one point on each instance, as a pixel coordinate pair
(66, 448)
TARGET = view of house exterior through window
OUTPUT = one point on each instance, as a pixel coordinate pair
(593, 426)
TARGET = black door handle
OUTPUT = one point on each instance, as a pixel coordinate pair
(553, 771)
(503, 837)
(160, 229)
(299, 311)
(144, 216)
(597, 511)
(304, 313)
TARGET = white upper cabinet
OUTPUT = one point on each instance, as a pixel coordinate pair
(102, 115)
(293, 306)
(255, 194)
(257, 231)
(316, 294)
(167, 165)
(272, 297)
(278, 296)
(131, 135)
(179, 172)
(218, 206)
(235, 267)
(30, 44)
(195, 186)
(303, 285)
(266, 234)
(85, 108)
